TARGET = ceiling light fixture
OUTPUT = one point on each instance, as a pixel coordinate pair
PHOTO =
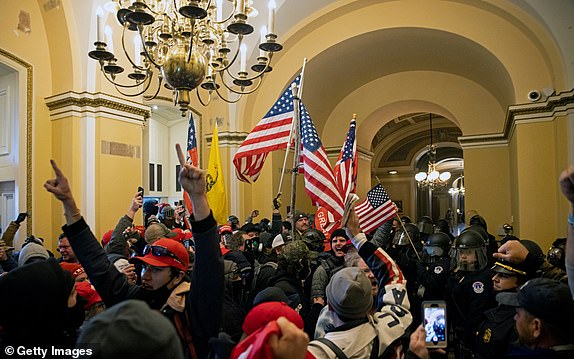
(432, 178)
(188, 44)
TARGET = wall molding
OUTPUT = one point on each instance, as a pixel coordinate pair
(98, 104)
(556, 105)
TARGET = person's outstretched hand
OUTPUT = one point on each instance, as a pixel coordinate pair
(60, 188)
(512, 251)
(137, 203)
(567, 184)
(192, 180)
(353, 227)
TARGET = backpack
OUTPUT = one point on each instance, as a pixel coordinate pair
(257, 270)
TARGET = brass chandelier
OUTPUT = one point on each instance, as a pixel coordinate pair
(432, 178)
(188, 44)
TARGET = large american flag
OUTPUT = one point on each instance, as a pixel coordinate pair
(191, 156)
(270, 134)
(375, 210)
(320, 182)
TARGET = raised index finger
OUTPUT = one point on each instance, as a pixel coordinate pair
(180, 154)
(56, 169)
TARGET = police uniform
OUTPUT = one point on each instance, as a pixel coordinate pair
(496, 332)
(470, 294)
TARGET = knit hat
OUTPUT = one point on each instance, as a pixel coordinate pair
(165, 252)
(74, 268)
(299, 214)
(156, 231)
(266, 239)
(263, 313)
(544, 298)
(106, 238)
(30, 251)
(131, 329)
(270, 294)
(349, 293)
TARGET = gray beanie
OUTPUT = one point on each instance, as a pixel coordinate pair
(32, 250)
(131, 329)
(349, 293)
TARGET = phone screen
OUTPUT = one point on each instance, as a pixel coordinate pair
(434, 314)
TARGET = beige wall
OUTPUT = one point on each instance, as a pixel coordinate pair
(487, 182)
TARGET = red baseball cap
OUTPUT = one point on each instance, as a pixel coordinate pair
(166, 252)
(266, 312)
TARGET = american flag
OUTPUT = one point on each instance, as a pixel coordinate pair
(345, 174)
(270, 134)
(191, 156)
(375, 210)
(346, 166)
(319, 179)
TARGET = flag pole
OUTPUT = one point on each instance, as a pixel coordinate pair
(297, 146)
(403, 226)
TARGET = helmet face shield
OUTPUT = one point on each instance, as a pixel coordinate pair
(470, 259)
(434, 251)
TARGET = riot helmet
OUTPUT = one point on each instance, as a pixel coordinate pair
(469, 252)
(478, 220)
(442, 226)
(556, 253)
(401, 239)
(425, 225)
(437, 245)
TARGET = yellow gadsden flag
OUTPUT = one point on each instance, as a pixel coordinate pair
(214, 183)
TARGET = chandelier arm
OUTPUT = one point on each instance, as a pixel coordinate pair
(112, 81)
(136, 94)
(126, 52)
(234, 56)
(149, 98)
(240, 92)
(147, 54)
(260, 74)
(201, 100)
(225, 99)
(150, 9)
(223, 21)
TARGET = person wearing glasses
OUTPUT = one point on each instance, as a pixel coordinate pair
(193, 309)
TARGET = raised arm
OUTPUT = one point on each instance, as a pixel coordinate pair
(118, 244)
(567, 187)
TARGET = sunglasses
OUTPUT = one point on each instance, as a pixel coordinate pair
(159, 251)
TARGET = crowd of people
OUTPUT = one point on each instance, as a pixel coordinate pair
(182, 286)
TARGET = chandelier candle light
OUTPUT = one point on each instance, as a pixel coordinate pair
(432, 178)
(187, 45)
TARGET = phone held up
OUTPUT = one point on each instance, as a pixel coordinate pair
(141, 190)
(434, 322)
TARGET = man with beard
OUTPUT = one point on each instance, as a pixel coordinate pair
(195, 313)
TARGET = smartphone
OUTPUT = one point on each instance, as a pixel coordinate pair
(141, 190)
(434, 323)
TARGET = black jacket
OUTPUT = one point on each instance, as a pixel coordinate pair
(496, 332)
(205, 300)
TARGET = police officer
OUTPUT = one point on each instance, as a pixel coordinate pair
(470, 290)
(434, 268)
(497, 331)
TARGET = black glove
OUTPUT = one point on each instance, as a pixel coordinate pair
(21, 217)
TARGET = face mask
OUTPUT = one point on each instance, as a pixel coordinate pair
(157, 298)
